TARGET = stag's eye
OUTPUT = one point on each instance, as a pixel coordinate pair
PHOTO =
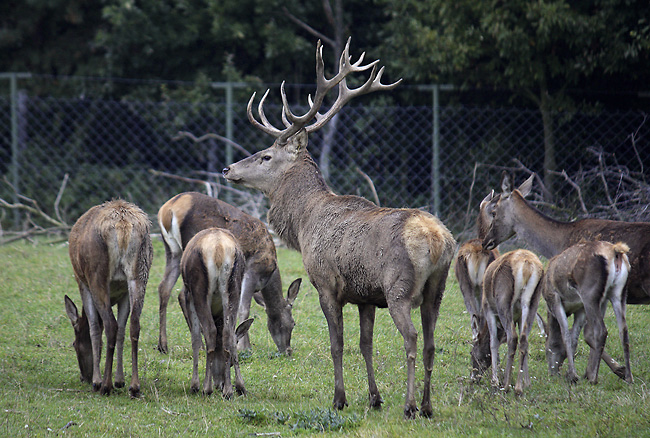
(266, 158)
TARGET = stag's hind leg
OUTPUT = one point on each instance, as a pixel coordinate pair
(367, 323)
(123, 309)
(399, 306)
(433, 292)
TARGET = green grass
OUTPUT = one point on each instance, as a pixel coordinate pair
(40, 392)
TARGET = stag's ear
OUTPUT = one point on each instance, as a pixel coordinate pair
(297, 142)
(527, 186)
(71, 310)
(294, 288)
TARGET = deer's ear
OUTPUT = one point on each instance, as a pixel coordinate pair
(506, 183)
(71, 310)
(526, 187)
(297, 142)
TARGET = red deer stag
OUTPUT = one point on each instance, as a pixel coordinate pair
(185, 215)
(471, 262)
(353, 251)
(110, 250)
(511, 293)
(213, 270)
(580, 281)
(511, 214)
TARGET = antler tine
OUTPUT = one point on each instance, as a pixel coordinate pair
(294, 123)
(265, 126)
(346, 94)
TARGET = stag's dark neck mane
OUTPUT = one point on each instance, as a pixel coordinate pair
(294, 199)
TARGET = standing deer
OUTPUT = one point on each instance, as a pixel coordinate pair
(213, 270)
(471, 262)
(111, 253)
(182, 217)
(511, 292)
(511, 214)
(580, 281)
(353, 251)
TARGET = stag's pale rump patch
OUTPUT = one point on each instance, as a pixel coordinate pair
(426, 239)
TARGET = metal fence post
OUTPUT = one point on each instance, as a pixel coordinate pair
(15, 147)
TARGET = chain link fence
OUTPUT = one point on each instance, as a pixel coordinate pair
(443, 159)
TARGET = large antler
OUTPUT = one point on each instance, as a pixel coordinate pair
(294, 123)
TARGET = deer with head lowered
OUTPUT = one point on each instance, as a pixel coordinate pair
(471, 262)
(580, 281)
(111, 253)
(182, 217)
(213, 269)
(353, 251)
(511, 293)
(511, 214)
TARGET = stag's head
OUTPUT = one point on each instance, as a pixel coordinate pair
(82, 344)
(500, 211)
(263, 169)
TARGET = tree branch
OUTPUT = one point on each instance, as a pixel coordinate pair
(185, 134)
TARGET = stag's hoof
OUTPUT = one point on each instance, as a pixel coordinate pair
(97, 386)
(120, 385)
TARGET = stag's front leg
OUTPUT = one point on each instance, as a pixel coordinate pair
(367, 323)
(334, 315)
(400, 311)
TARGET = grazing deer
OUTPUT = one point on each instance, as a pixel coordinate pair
(511, 214)
(353, 251)
(182, 217)
(511, 292)
(213, 270)
(111, 253)
(580, 281)
(471, 262)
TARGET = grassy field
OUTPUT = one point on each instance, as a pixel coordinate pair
(40, 392)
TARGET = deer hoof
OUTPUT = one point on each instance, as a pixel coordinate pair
(410, 412)
(106, 389)
(426, 411)
(375, 401)
(162, 348)
(340, 403)
(120, 384)
(134, 392)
